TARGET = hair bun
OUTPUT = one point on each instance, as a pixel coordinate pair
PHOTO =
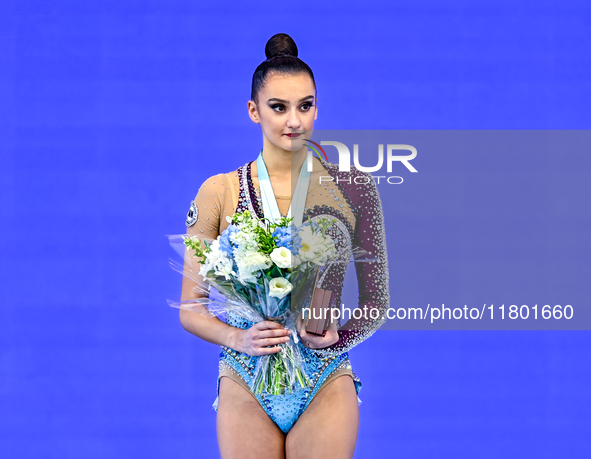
(281, 44)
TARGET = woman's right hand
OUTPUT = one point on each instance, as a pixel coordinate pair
(254, 341)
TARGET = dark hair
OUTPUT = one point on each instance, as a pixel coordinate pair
(282, 57)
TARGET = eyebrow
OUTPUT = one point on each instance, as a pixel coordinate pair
(286, 101)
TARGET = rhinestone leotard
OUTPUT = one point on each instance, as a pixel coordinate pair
(351, 198)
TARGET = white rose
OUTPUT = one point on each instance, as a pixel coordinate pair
(281, 256)
(279, 287)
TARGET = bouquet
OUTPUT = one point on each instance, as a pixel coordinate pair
(258, 267)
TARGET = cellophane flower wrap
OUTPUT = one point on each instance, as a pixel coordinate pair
(256, 265)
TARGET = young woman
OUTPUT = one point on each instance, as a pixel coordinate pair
(321, 420)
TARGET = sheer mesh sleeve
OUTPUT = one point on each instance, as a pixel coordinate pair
(205, 219)
(372, 277)
(207, 213)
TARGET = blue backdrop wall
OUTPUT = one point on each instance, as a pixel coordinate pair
(113, 114)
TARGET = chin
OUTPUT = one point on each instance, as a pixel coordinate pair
(295, 145)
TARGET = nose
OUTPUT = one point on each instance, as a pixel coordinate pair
(293, 120)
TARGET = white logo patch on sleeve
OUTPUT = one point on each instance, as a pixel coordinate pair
(192, 214)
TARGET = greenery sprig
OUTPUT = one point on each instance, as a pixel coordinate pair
(195, 244)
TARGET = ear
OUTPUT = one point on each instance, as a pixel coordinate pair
(253, 112)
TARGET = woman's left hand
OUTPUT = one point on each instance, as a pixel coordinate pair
(315, 341)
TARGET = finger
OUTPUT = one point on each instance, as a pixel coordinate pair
(271, 341)
(320, 342)
(305, 337)
(315, 339)
(267, 324)
(271, 333)
(268, 350)
(313, 345)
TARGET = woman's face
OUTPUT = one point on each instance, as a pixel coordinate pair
(287, 105)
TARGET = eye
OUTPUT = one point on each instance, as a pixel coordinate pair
(278, 107)
(307, 106)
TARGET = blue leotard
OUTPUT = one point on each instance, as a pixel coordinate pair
(352, 199)
(284, 409)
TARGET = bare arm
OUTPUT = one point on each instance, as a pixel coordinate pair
(201, 324)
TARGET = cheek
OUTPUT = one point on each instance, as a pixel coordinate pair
(271, 123)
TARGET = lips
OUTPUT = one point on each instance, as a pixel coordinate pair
(293, 134)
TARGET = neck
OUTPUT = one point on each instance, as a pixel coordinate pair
(282, 163)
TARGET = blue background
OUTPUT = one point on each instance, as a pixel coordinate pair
(113, 114)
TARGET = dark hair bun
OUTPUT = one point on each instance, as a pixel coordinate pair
(281, 43)
(282, 58)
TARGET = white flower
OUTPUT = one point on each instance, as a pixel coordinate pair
(316, 248)
(204, 270)
(245, 240)
(223, 267)
(281, 256)
(279, 287)
(312, 244)
(215, 254)
(250, 263)
(211, 258)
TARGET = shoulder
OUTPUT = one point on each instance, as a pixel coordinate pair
(211, 184)
(218, 183)
(353, 182)
(207, 202)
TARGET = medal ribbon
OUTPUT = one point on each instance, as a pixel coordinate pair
(298, 201)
